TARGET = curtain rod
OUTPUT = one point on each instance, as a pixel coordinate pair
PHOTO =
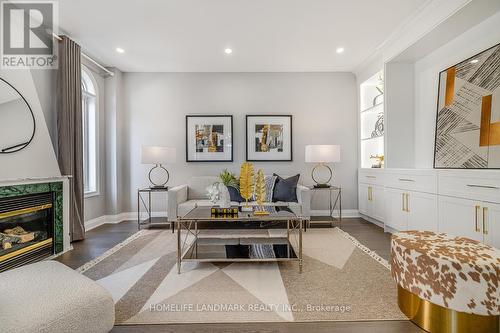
(89, 58)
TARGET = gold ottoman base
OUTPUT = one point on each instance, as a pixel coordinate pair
(437, 319)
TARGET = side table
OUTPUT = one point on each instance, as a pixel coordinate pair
(146, 204)
(334, 203)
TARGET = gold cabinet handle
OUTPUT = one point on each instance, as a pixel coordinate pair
(403, 202)
(407, 202)
(476, 218)
(485, 212)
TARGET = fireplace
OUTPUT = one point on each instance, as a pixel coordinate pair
(26, 229)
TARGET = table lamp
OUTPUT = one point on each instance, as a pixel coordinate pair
(322, 154)
(158, 156)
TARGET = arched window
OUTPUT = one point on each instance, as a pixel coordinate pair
(89, 120)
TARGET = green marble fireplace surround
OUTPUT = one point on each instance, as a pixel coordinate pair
(54, 187)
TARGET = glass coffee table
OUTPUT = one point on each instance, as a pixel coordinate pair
(226, 242)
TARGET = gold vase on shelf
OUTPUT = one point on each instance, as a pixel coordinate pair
(260, 193)
(246, 184)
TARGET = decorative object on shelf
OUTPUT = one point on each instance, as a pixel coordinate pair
(219, 194)
(379, 126)
(260, 193)
(246, 184)
(158, 156)
(268, 138)
(379, 163)
(232, 183)
(466, 135)
(209, 138)
(380, 89)
(17, 121)
(322, 154)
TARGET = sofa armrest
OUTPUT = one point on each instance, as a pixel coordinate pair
(176, 195)
(304, 198)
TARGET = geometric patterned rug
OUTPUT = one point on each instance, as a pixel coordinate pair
(341, 281)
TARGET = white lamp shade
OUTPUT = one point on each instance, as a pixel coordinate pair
(322, 153)
(158, 155)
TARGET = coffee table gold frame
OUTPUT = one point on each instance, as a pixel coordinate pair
(189, 223)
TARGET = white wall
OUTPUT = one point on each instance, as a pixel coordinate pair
(38, 158)
(475, 40)
(323, 106)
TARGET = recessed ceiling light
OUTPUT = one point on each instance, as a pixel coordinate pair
(473, 61)
(120, 50)
(340, 50)
(228, 51)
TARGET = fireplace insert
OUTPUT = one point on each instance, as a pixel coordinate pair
(26, 229)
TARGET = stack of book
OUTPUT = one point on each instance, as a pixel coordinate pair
(218, 212)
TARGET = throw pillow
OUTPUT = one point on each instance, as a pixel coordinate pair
(286, 189)
(270, 181)
(234, 194)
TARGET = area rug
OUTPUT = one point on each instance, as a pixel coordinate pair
(342, 280)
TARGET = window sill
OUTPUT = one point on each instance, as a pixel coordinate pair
(91, 194)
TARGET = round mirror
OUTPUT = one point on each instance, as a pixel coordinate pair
(17, 122)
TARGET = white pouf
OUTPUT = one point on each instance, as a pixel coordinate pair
(50, 297)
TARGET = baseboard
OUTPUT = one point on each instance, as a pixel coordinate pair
(112, 219)
(347, 213)
(372, 220)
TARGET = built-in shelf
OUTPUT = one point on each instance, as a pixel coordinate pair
(372, 138)
(370, 92)
(372, 108)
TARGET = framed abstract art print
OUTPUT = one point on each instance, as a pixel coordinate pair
(269, 138)
(209, 138)
(468, 116)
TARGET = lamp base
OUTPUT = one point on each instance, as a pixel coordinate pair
(322, 186)
(159, 187)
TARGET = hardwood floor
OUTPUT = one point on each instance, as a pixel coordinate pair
(100, 239)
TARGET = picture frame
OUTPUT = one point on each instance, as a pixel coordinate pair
(209, 138)
(465, 122)
(269, 138)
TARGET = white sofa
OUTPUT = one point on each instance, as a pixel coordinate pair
(49, 297)
(183, 198)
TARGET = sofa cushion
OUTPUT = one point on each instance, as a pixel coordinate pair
(197, 186)
(286, 189)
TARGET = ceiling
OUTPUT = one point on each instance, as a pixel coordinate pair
(265, 35)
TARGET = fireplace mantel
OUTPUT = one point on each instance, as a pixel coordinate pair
(58, 184)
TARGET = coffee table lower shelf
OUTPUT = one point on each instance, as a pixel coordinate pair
(237, 249)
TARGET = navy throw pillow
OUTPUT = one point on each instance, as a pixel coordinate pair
(234, 194)
(285, 189)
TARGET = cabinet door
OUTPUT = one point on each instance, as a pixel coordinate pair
(378, 202)
(491, 224)
(395, 215)
(460, 217)
(364, 203)
(422, 211)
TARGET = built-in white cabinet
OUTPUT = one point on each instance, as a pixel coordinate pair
(476, 220)
(491, 227)
(457, 202)
(410, 210)
(461, 217)
(371, 201)
(422, 209)
(396, 215)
